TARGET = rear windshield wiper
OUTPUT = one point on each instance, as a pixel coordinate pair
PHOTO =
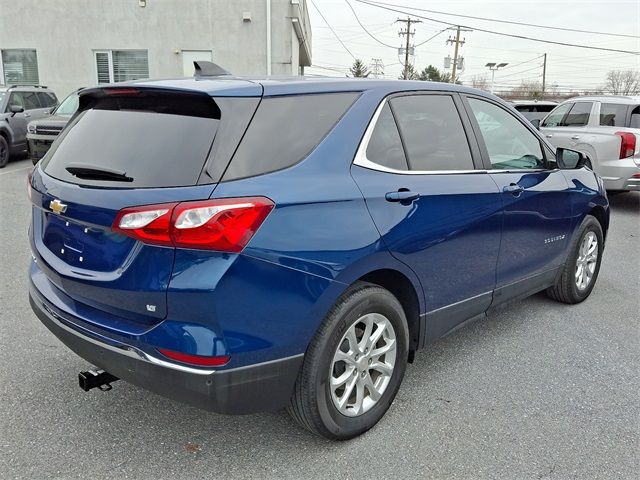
(92, 172)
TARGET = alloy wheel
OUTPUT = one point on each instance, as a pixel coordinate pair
(587, 260)
(363, 364)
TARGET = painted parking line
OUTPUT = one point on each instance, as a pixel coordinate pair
(14, 171)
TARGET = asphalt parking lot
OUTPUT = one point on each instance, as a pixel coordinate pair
(537, 390)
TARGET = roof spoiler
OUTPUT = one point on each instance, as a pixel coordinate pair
(208, 69)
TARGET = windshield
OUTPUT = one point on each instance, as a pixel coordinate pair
(68, 106)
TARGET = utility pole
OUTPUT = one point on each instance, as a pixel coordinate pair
(457, 42)
(377, 67)
(408, 33)
(544, 74)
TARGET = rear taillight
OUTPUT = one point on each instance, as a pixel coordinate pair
(224, 225)
(121, 91)
(627, 144)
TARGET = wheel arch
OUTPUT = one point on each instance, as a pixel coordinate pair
(6, 134)
(404, 290)
(600, 214)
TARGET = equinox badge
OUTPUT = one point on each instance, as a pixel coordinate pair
(57, 206)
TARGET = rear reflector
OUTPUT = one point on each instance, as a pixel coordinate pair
(199, 360)
(29, 184)
(225, 224)
(627, 144)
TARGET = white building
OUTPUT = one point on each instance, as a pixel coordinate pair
(67, 44)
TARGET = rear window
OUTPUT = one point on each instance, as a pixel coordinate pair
(634, 121)
(156, 140)
(613, 115)
(285, 130)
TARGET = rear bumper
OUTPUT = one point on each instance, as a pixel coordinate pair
(618, 174)
(254, 388)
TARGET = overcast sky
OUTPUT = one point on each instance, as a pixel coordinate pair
(568, 67)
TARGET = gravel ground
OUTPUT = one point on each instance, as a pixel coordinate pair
(537, 390)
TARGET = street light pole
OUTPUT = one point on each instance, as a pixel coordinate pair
(493, 67)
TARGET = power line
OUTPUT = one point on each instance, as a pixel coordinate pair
(510, 21)
(523, 37)
(334, 32)
(522, 63)
(431, 38)
(518, 73)
(364, 28)
(380, 41)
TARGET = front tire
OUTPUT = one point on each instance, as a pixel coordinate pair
(583, 264)
(4, 152)
(354, 365)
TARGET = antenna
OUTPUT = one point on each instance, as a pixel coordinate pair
(208, 69)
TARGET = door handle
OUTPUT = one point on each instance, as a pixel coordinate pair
(575, 137)
(513, 188)
(549, 135)
(27, 115)
(403, 196)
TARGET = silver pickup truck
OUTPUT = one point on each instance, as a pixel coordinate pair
(607, 130)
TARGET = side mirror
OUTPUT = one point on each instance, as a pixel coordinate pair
(570, 159)
(16, 109)
(536, 123)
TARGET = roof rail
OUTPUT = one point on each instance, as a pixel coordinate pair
(26, 85)
(208, 69)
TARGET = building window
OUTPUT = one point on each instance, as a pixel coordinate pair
(19, 66)
(121, 65)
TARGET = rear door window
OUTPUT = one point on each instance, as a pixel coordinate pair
(47, 99)
(284, 130)
(613, 114)
(155, 139)
(432, 133)
(31, 101)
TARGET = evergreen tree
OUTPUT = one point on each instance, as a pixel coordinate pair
(359, 69)
(432, 74)
(411, 73)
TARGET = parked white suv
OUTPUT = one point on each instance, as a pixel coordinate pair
(607, 130)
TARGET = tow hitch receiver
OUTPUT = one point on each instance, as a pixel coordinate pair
(96, 378)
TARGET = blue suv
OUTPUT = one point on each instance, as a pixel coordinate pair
(245, 245)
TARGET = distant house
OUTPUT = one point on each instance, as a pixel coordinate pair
(71, 43)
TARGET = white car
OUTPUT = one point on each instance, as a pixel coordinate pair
(607, 130)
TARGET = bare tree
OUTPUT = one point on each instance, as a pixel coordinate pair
(623, 82)
(480, 82)
(526, 90)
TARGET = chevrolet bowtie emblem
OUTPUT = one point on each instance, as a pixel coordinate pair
(57, 206)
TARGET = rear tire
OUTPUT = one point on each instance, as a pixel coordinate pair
(581, 269)
(346, 385)
(4, 152)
